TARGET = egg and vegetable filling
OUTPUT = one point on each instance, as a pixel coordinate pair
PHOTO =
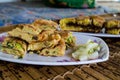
(14, 46)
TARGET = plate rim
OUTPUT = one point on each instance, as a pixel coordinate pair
(54, 63)
(99, 34)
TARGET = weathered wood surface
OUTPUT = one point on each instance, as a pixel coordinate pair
(109, 70)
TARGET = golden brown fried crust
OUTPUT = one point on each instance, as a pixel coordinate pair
(32, 33)
(49, 42)
(44, 35)
(58, 50)
(112, 24)
(52, 40)
(43, 22)
(97, 21)
(64, 34)
(31, 29)
(23, 35)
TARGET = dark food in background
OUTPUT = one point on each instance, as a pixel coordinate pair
(93, 24)
(83, 24)
(112, 27)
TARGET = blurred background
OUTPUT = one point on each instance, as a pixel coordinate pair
(26, 11)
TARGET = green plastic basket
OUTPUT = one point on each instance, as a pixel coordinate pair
(74, 3)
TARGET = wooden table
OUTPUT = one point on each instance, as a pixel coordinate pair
(109, 70)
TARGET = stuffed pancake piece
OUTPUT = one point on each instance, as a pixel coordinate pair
(14, 46)
(50, 41)
(113, 27)
(58, 50)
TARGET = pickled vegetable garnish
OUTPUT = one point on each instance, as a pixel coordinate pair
(86, 51)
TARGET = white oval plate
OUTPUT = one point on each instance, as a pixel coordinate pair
(67, 59)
